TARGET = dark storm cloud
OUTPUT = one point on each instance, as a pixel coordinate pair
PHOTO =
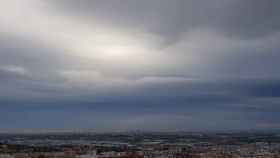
(237, 95)
(205, 93)
(230, 105)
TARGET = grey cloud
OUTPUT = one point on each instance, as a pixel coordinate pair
(250, 19)
(220, 61)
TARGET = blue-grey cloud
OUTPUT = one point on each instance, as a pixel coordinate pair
(114, 65)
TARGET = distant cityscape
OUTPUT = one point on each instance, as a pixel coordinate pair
(140, 145)
(139, 78)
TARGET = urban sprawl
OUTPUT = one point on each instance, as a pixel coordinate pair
(140, 145)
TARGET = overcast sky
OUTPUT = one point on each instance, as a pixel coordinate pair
(152, 65)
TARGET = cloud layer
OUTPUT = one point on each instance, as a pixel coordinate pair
(139, 65)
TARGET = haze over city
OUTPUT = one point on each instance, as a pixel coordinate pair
(148, 65)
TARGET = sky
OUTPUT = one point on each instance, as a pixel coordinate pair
(149, 65)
